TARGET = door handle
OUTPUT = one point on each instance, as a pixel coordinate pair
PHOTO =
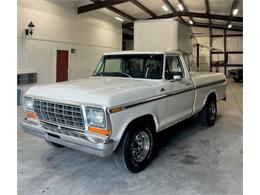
(162, 90)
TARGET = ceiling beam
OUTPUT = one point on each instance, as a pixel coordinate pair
(99, 5)
(202, 15)
(211, 16)
(234, 5)
(174, 11)
(197, 15)
(185, 9)
(142, 7)
(203, 25)
(206, 25)
(117, 11)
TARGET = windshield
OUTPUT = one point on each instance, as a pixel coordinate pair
(132, 65)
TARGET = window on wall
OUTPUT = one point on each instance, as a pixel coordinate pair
(26, 78)
(173, 67)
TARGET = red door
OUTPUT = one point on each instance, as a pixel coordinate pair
(62, 65)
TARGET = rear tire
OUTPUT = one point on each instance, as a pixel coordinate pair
(136, 148)
(55, 145)
(209, 113)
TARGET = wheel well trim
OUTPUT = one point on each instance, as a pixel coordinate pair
(211, 92)
(130, 121)
(142, 116)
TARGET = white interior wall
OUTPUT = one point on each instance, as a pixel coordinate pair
(203, 54)
(233, 44)
(60, 27)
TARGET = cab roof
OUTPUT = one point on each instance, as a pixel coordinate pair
(143, 52)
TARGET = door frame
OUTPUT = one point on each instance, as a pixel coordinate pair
(55, 49)
(173, 90)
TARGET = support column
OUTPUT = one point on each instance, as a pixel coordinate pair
(225, 52)
(198, 56)
(210, 45)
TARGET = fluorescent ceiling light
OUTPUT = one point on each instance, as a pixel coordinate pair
(120, 19)
(230, 26)
(165, 8)
(235, 11)
(190, 22)
(180, 6)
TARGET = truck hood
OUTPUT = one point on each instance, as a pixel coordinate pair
(107, 91)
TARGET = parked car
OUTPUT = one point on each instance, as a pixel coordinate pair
(236, 74)
(129, 99)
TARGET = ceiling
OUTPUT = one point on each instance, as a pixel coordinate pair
(215, 7)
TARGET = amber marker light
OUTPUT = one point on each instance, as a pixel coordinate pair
(99, 131)
(30, 115)
(117, 109)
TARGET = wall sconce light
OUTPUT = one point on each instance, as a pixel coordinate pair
(73, 50)
(29, 29)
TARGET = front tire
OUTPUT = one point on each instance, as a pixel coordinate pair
(136, 149)
(209, 113)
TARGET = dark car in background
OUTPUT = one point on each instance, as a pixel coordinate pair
(236, 74)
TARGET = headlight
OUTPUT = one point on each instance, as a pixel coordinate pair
(28, 103)
(96, 117)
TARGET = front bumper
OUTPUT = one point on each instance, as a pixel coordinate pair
(101, 149)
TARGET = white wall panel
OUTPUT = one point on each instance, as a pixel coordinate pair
(235, 59)
(58, 27)
(218, 43)
(234, 43)
(204, 53)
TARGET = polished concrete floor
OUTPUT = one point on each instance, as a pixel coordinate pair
(192, 159)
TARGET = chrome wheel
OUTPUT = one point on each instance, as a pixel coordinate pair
(140, 146)
(212, 111)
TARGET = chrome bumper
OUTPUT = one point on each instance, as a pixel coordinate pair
(86, 145)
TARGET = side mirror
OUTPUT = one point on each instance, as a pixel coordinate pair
(176, 78)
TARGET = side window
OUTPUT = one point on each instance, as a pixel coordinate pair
(173, 67)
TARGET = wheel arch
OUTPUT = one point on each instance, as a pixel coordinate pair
(211, 94)
(145, 117)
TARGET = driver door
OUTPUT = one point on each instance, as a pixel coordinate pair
(181, 93)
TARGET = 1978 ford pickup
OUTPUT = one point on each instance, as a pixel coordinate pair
(130, 97)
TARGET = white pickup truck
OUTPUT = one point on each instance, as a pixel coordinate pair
(130, 97)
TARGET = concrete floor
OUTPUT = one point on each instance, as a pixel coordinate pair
(192, 160)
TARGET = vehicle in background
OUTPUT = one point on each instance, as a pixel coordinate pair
(236, 74)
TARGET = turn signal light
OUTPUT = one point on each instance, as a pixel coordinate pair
(31, 115)
(116, 109)
(99, 131)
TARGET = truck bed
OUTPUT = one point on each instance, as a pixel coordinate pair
(204, 78)
(205, 83)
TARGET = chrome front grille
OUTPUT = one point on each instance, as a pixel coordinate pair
(62, 130)
(61, 114)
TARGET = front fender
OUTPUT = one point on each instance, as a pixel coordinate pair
(121, 120)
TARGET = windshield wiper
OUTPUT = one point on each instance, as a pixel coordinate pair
(125, 74)
(99, 73)
(122, 73)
